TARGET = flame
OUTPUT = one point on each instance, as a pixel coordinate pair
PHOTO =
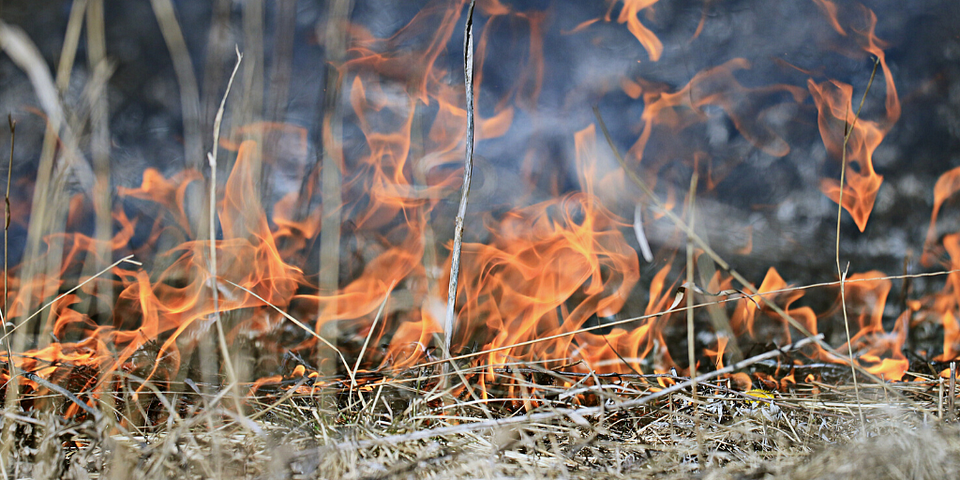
(834, 101)
(946, 186)
(717, 355)
(534, 275)
(951, 338)
(630, 14)
(830, 10)
(883, 351)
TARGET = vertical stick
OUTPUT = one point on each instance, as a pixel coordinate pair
(100, 150)
(467, 177)
(331, 188)
(691, 354)
(12, 386)
(848, 130)
(952, 392)
(212, 158)
(6, 240)
(940, 399)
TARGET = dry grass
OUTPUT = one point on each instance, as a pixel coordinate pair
(811, 431)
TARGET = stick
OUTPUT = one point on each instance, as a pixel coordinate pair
(212, 158)
(99, 146)
(330, 160)
(6, 435)
(66, 393)
(6, 241)
(842, 273)
(467, 177)
(691, 354)
(952, 392)
(940, 399)
(568, 412)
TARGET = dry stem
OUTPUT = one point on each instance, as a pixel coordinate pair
(448, 324)
(212, 157)
(848, 130)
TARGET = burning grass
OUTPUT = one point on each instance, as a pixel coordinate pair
(257, 329)
(405, 428)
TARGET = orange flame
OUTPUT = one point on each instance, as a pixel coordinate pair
(837, 119)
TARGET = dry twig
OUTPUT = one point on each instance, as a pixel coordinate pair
(212, 158)
(448, 324)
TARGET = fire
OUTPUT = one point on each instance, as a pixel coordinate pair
(541, 278)
(946, 186)
(852, 138)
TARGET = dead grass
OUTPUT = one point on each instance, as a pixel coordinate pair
(811, 431)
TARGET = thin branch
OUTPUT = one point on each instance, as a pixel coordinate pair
(691, 354)
(6, 239)
(212, 158)
(366, 341)
(848, 131)
(6, 436)
(66, 393)
(467, 177)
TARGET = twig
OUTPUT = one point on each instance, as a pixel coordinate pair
(940, 399)
(691, 354)
(212, 158)
(6, 239)
(66, 393)
(6, 437)
(952, 392)
(572, 413)
(848, 131)
(99, 119)
(330, 160)
(467, 177)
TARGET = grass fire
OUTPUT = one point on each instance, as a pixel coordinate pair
(480, 239)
